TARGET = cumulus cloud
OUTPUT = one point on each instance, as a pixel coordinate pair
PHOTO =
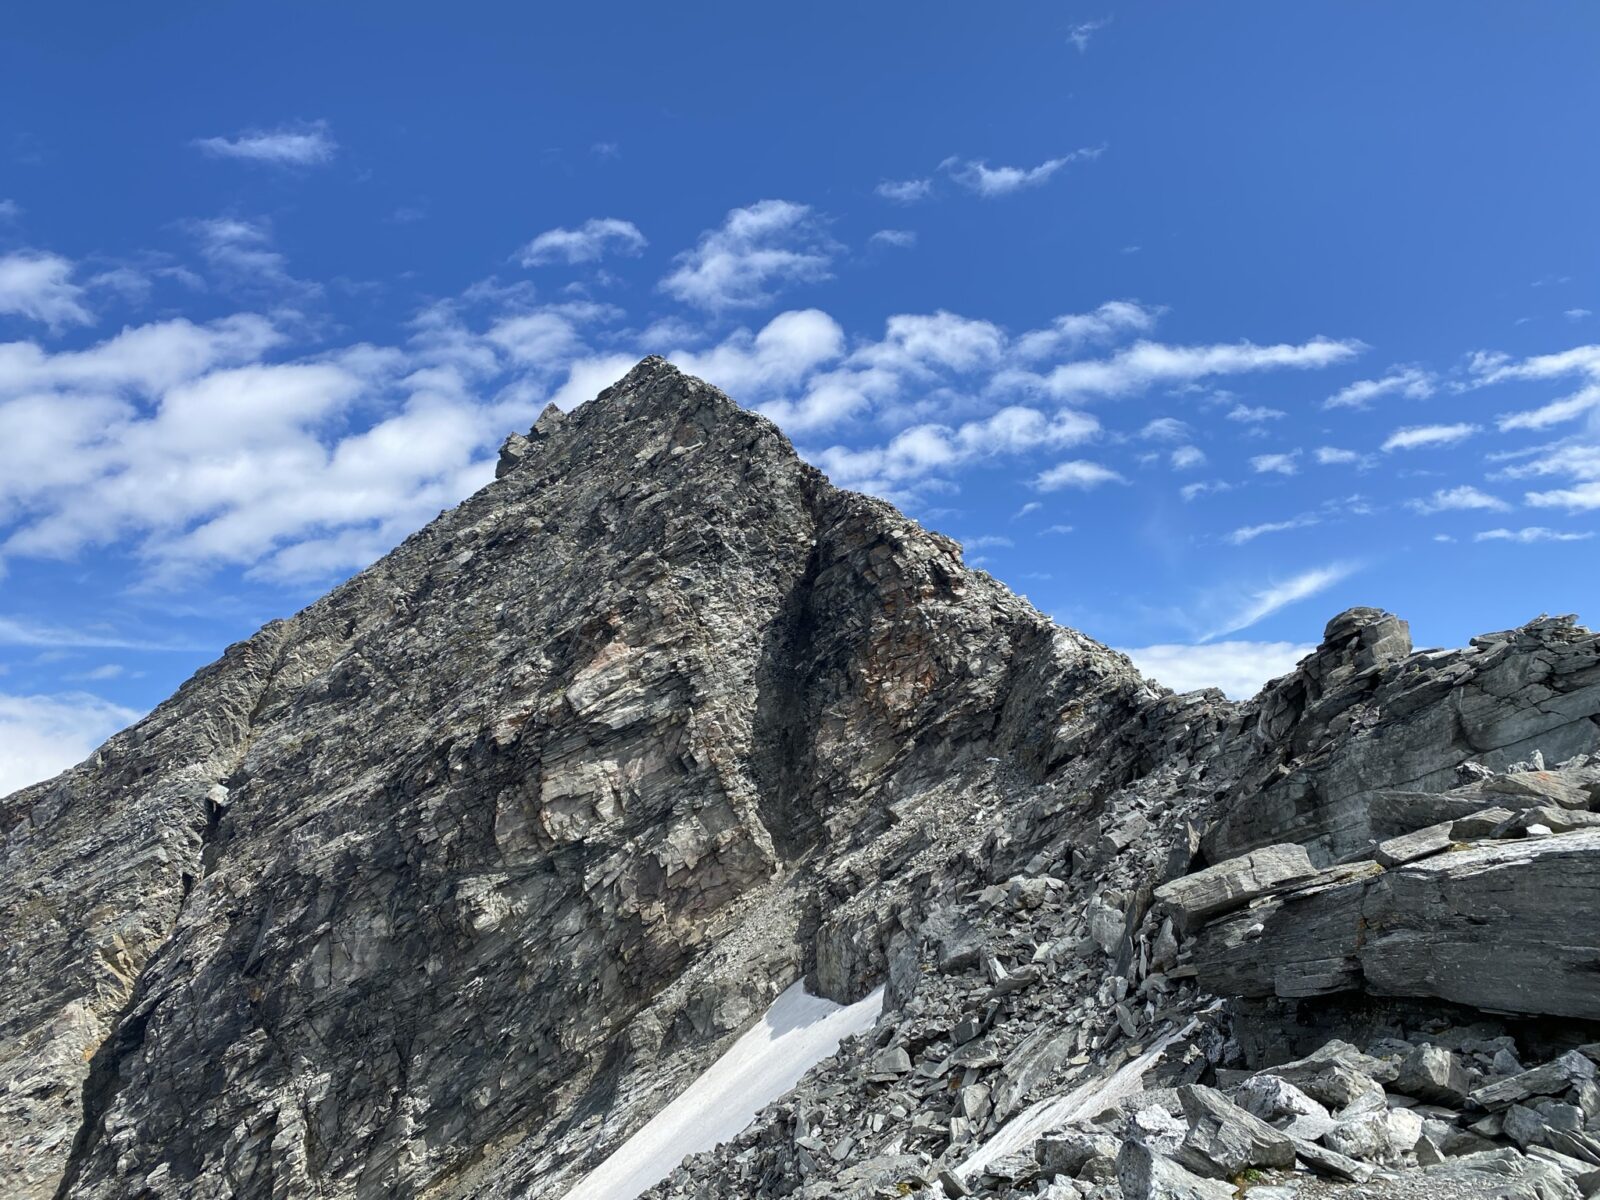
(1276, 464)
(754, 253)
(902, 239)
(1238, 669)
(1185, 458)
(905, 191)
(1247, 415)
(1078, 473)
(304, 145)
(1532, 533)
(1417, 437)
(177, 442)
(1332, 455)
(1260, 604)
(590, 242)
(39, 286)
(1070, 333)
(1411, 382)
(924, 449)
(977, 176)
(1582, 498)
(1458, 499)
(41, 736)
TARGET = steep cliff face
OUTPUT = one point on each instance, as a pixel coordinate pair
(444, 885)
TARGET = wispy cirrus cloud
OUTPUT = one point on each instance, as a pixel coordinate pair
(1418, 437)
(1411, 382)
(306, 144)
(1261, 603)
(1080, 34)
(1146, 364)
(1530, 534)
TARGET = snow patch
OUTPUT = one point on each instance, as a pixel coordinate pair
(797, 1032)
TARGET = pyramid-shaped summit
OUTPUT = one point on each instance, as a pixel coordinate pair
(444, 885)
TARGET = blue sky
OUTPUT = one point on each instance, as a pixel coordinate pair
(1196, 323)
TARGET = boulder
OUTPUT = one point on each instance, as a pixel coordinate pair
(1224, 1139)
(1145, 1175)
(1433, 1073)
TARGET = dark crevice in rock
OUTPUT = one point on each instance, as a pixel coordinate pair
(781, 730)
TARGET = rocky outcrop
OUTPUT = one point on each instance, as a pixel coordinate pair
(445, 885)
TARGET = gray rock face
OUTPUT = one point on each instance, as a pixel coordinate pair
(444, 886)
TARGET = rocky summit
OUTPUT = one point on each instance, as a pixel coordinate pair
(443, 887)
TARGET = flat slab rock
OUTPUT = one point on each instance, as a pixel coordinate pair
(1196, 898)
(1503, 926)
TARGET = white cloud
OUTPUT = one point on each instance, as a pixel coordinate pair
(590, 242)
(977, 176)
(41, 736)
(1410, 382)
(1067, 334)
(1246, 415)
(1565, 409)
(1030, 507)
(1249, 533)
(1533, 533)
(1414, 437)
(1577, 314)
(1056, 529)
(39, 286)
(900, 238)
(10, 210)
(787, 349)
(1165, 429)
(1581, 460)
(304, 145)
(1145, 364)
(1192, 491)
(1582, 498)
(1185, 458)
(1239, 669)
(1261, 604)
(1078, 473)
(1276, 464)
(241, 251)
(1080, 34)
(905, 191)
(756, 251)
(1332, 455)
(1489, 368)
(924, 449)
(1458, 499)
(985, 541)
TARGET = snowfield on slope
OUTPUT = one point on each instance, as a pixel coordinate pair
(797, 1032)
